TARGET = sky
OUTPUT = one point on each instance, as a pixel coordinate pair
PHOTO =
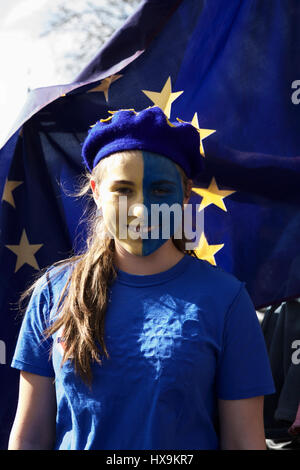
(25, 61)
(28, 60)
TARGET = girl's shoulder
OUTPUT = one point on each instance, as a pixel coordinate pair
(57, 272)
(53, 279)
(50, 287)
(217, 288)
(213, 276)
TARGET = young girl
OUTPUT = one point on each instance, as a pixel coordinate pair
(136, 343)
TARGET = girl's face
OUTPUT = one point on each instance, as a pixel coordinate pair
(133, 186)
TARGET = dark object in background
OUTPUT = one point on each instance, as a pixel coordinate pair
(281, 328)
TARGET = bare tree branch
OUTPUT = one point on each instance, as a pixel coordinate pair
(78, 30)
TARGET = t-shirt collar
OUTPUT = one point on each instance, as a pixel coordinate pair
(140, 280)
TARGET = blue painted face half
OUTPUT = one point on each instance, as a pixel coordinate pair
(153, 188)
(163, 198)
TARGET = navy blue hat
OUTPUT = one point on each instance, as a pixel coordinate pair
(148, 130)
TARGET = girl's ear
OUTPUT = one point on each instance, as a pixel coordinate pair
(188, 191)
(95, 192)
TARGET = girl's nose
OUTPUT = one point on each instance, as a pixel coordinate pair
(138, 210)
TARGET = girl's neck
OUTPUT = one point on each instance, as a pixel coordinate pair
(162, 259)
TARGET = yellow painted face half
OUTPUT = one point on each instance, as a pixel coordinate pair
(122, 182)
(135, 183)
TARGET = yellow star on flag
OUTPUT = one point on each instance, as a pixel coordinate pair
(105, 84)
(212, 195)
(206, 251)
(164, 98)
(202, 132)
(8, 189)
(25, 252)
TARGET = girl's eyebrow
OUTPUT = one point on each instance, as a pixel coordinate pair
(153, 182)
(164, 182)
(123, 182)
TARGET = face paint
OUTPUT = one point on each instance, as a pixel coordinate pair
(162, 186)
(152, 185)
(123, 179)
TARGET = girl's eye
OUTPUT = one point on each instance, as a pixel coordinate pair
(161, 191)
(123, 191)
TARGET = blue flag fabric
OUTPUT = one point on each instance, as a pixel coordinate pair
(230, 68)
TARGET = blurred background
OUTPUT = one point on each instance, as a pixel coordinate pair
(44, 43)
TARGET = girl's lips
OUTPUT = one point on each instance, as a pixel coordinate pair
(140, 228)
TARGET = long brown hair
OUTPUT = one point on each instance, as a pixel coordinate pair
(81, 313)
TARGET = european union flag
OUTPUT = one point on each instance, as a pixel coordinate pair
(231, 69)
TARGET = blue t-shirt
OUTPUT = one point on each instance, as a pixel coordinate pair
(178, 340)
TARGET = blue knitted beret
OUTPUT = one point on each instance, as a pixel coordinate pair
(148, 130)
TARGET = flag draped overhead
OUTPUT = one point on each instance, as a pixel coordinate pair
(229, 68)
